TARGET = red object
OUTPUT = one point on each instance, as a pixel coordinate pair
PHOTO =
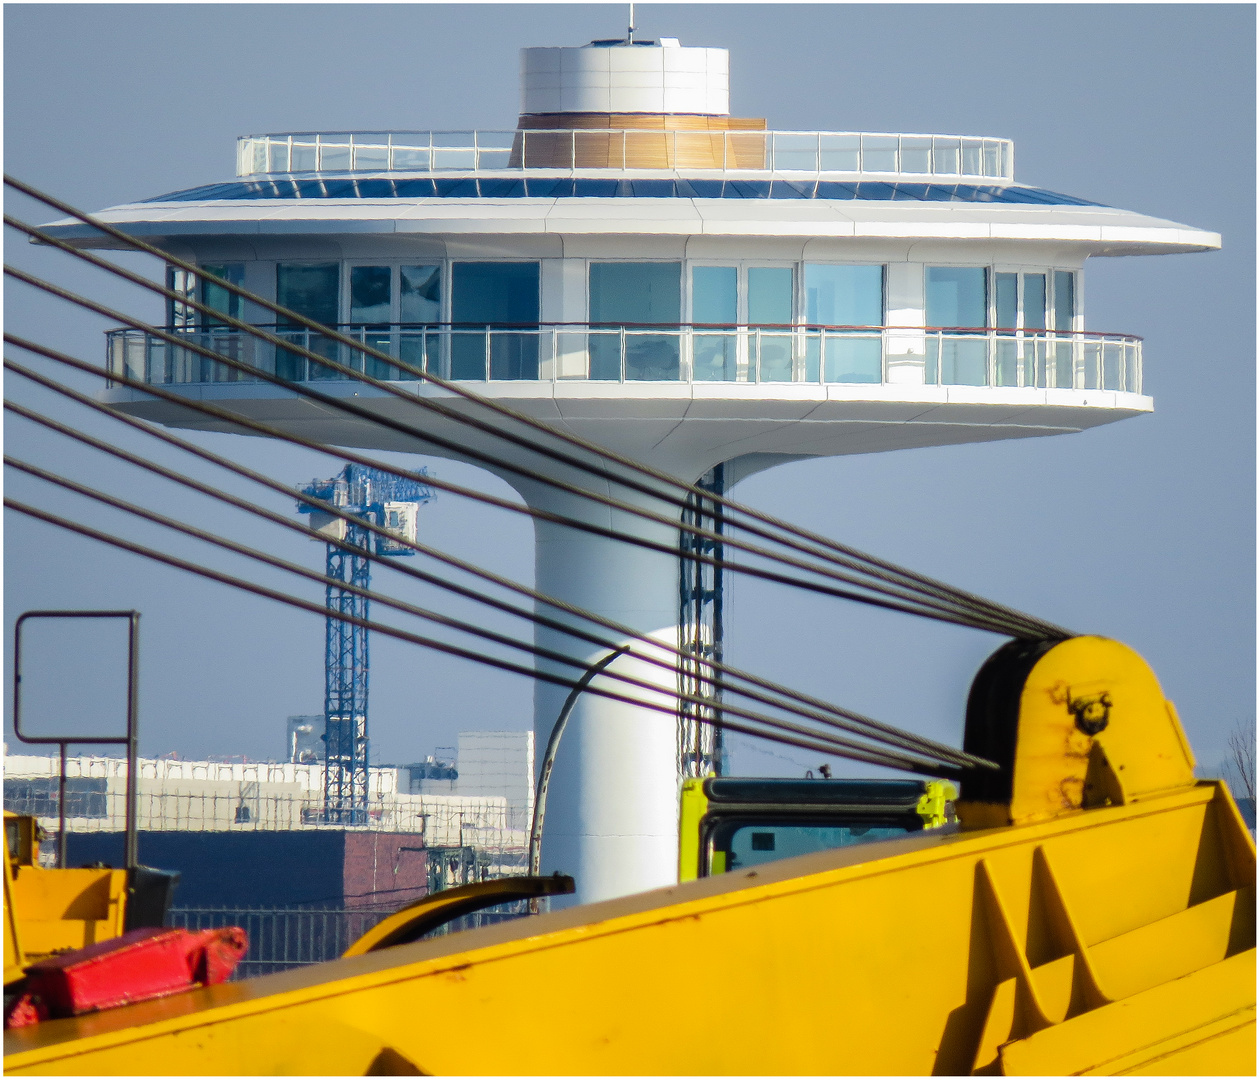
(138, 966)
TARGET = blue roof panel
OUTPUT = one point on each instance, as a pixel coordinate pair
(563, 187)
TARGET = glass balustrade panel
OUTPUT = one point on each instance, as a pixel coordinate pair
(304, 156)
(334, 157)
(839, 153)
(278, 155)
(371, 158)
(916, 154)
(946, 155)
(773, 351)
(1091, 366)
(1112, 364)
(795, 152)
(853, 358)
(879, 153)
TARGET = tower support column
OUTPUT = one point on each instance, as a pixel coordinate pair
(612, 812)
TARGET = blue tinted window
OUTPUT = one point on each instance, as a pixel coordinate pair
(1006, 300)
(956, 296)
(420, 294)
(1035, 301)
(312, 290)
(487, 293)
(1064, 299)
(636, 292)
(219, 298)
(309, 289)
(770, 295)
(370, 294)
(844, 295)
(753, 845)
(714, 294)
(494, 294)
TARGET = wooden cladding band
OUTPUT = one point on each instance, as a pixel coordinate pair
(638, 141)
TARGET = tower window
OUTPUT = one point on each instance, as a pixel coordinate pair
(635, 297)
(845, 296)
(312, 290)
(957, 299)
(217, 297)
(501, 297)
(956, 296)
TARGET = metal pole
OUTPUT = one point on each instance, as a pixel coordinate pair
(132, 855)
(549, 757)
(61, 810)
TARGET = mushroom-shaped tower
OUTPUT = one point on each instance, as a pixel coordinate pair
(634, 265)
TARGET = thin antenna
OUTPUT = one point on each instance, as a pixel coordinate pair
(630, 30)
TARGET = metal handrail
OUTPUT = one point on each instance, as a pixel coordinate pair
(741, 150)
(669, 352)
(131, 740)
(657, 327)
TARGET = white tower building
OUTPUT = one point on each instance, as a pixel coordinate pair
(635, 265)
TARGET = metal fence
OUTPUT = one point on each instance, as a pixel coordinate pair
(282, 938)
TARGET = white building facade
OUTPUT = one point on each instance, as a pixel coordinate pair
(634, 265)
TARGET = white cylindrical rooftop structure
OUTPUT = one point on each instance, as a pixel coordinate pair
(614, 77)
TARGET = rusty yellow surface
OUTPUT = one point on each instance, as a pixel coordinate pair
(1058, 767)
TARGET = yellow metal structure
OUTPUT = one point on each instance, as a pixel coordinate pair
(692, 806)
(1110, 929)
(53, 911)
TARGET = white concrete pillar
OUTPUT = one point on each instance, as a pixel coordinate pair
(612, 810)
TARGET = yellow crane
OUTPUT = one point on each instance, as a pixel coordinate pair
(1094, 912)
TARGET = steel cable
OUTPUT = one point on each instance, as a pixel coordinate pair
(843, 747)
(236, 420)
(912, 594)
(883, 569)
(817, 742)
(929, 608)
(211, 410)
(854, 723)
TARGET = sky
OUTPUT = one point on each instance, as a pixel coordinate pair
(1143, 530)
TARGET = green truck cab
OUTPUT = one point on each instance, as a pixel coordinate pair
(732, 822)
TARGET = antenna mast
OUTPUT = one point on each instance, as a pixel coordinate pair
(630, 30)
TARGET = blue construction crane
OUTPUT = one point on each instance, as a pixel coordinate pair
(390, 502)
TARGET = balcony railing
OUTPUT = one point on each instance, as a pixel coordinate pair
(953, 156)
(569, 352)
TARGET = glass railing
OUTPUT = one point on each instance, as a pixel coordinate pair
(568, 352)
(955, 156)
